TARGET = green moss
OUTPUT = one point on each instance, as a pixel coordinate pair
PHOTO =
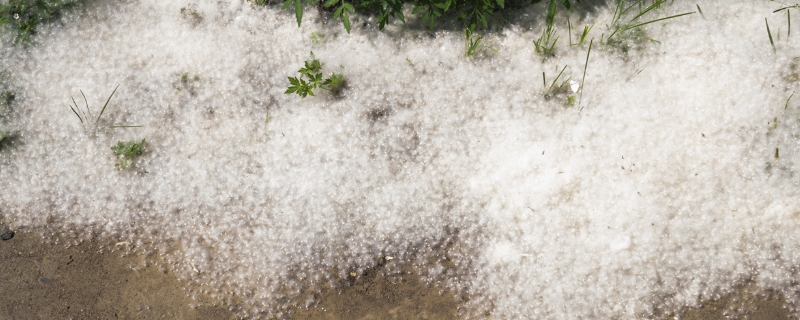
(127, 153)
(21, 17)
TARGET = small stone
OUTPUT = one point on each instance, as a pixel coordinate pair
(6, 234)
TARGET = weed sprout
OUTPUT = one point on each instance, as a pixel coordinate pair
(311, 78)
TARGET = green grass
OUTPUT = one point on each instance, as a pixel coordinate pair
(22, 17)
(769, 33)
(585, 66)
(545, 45)
(625, 32)
(473, 44)
(88, 121)
(555, 88)
(127, 153)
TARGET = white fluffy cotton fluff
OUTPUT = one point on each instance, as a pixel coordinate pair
(670, 179)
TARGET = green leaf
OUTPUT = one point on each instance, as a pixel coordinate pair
(346, 21)
(337, 13)
(551, 13)
(501, 3)
(298, 11)
(330, 3)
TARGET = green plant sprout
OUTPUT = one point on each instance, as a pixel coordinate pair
(86, 116)
(769, 34)
(3, 135)
(625, 33)
(473, 44)
(21, 17)
(585, 33)
(555, 89)
(127, 153)
(585, 66)
(311, 78)
(546, 43)
(788, 15)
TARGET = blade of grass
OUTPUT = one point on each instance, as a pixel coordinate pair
(789, 19)
(266, 120)
(76, 113)
(655, 4)
(87, 107)
(569, 29)
(657, 20)
(556, 79)
(769, 33)
(700, 10)
(787, 101)
(585, 65)
(76, 108)
(544, 80)
(109, 99)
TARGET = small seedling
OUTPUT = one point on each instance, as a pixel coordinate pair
(311, 78)
(86, 116)
(473, 44)
(127, 153)
(585, 33)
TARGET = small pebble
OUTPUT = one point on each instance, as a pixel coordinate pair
(6, 234)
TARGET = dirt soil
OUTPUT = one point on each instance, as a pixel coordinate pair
(42, 280)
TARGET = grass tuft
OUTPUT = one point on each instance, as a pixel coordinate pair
(85, 115)
(545, 45)
(473, 44)
(555, 88)
(626, 33)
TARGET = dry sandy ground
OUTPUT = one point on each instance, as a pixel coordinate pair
(42, 280)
